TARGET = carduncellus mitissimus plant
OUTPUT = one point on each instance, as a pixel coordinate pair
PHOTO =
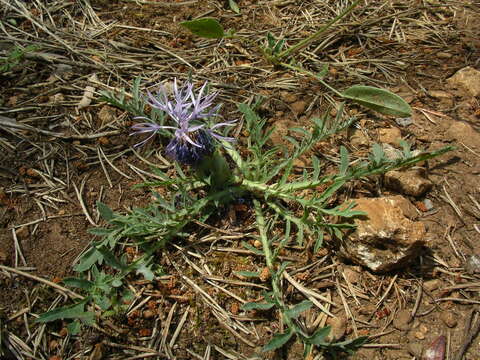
(285, 204)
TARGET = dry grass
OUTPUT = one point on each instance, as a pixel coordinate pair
(51, 127)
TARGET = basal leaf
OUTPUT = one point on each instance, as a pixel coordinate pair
(377, 99)
(323, 72)
(207, 27)
(145, 271)
(278, 341)
(111, 259)
(344, 160)
(319, 241)
(74, 327)
(100, 231)
(295, 311)
(79, 283)
(257, 306)
(68, 312)
(251, 248)
(378, 153)
(91, 257)
(105, 212)
(252, 274)
(319, 336)
(234, 6)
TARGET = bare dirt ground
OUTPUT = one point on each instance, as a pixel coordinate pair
(64, 159)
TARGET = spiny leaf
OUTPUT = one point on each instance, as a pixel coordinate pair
(380, 100)
(207, 27)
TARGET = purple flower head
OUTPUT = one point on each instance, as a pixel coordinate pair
(192, 139)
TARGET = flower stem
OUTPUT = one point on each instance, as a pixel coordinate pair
(306, 72)
(313, 37)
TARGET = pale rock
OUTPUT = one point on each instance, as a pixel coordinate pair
(467, 78)
(339, 327)
(402, 319)
(56, 99)
(288, 97)
(449, 318)
(391, 153)
(428, 204)
(465, 133)
(472, 265)
(404, 121)
(386, 238)
(106, 114)
(298, 107)
(432, 285)
(358, 138)
(22, 232)
(444, 55)
(440, 94)
(409, 182)
(415, 349)
(389, 136)
(444, 97)
(282, 127)
(351, 275)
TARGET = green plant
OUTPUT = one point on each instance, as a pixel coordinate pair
(205, 183)
(14, 57)
(380, 100)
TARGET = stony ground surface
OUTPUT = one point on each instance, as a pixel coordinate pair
(64, 152)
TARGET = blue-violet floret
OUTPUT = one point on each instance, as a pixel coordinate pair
(192, 139)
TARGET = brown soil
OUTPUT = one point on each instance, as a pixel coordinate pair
(410, 48)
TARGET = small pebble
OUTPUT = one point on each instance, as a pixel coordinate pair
(428, 204)
(415, 349)
(449, 318)
(339, 327)
(22, 232)
(351, 275)
(402, 320)
(148, 314)
(472, 265)
(265, 274)
(404, 121)
(419, 335)
(298, 107)
(288, 97)
(444, 55)
(432, 285)
(423, 328)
